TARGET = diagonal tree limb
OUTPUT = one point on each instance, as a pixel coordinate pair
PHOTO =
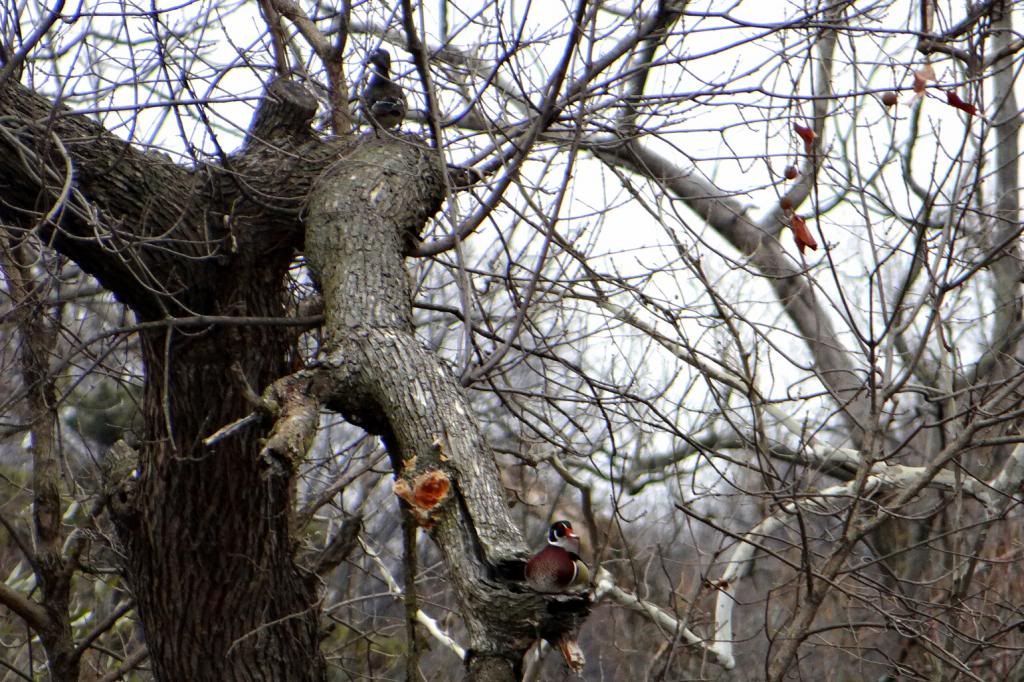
(330, 58)
(606, 588)
(832, 361)
(32, 613)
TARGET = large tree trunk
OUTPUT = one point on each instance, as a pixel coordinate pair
(380, 376)
(201, 258)
(208, 551)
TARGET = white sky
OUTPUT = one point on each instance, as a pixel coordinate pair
(741, 138)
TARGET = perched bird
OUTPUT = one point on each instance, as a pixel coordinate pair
(383, 101)
(558, 567)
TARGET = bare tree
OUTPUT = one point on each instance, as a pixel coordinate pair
(734, 288)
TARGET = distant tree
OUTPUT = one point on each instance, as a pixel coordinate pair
(734, 288)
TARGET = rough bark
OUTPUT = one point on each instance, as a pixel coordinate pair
(381, 376)
(206, 530)
(207, 545)
(37, 327)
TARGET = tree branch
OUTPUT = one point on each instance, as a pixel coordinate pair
(606, 588)
(32, 613)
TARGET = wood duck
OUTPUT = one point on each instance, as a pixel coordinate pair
(558, 567)
(383, 100)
